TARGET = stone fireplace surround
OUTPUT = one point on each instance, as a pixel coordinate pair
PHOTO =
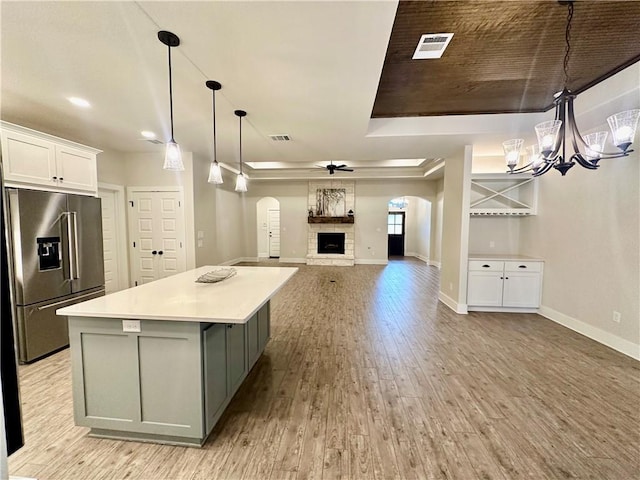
(315, 258)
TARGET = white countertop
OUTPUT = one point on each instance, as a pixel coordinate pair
(502, 256)
(180, 298)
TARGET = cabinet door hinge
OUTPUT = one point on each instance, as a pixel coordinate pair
(179, 203)
(131, 202)
(134, 244)
(136, 282)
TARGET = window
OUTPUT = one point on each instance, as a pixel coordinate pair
(395, 223)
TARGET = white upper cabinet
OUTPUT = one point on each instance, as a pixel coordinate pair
(36, 160)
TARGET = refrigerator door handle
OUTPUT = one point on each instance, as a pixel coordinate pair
(75, 274)
(70, 239)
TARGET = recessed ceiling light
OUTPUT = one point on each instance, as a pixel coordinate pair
(147, 134)
(79, 102)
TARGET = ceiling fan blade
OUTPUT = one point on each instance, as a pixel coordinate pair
(345, 169)
(341, 166)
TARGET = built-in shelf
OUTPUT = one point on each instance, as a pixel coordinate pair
(503, 194)
(349, 219)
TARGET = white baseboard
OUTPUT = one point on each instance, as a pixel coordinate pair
(370, 261)
(263, 255)
(239, 260)
(293, 260)
(410, 254)
(422, 257)
(452, 304)
(610, 340)
(433, 263)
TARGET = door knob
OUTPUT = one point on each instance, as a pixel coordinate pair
(154, 252)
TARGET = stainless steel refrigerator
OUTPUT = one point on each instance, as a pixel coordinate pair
(56, 246)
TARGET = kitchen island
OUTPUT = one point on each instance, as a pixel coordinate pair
(160, 362)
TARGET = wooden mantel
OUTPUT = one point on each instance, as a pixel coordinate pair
(349, 219)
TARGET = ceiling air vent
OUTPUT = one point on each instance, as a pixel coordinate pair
(155, 141)
(432, 45)
(280, 138)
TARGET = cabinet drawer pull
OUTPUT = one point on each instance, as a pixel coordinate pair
(154, 252)
(61, 179)
(486, 266)
(55, 178)
(522, 266)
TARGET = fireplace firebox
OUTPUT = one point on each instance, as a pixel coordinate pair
(331, 243)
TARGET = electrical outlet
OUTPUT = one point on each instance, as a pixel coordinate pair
(492, 244)
(616, 316)
(200, 243)
(450, 286)
(130, 325)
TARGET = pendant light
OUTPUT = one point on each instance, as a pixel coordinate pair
(173, 156)
(241, 180)
(215, 174)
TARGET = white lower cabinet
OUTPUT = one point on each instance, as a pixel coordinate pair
(504, 285)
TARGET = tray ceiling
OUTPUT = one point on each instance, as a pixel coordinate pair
(505, 56)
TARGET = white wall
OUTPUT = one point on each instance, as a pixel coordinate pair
(262, 223)
(112, 168)
(204, 213)
(436, 224)
(502, 232)
(455, 235)
(371, 206)
(588, 232)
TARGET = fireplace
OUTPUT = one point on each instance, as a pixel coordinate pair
(331, 243)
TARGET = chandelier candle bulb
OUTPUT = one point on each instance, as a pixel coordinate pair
(623, 128)
(512, 151)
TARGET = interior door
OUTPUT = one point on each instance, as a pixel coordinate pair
(110, 241)
(274, 233)
(156, 228)
(169, 240)
(395, 230)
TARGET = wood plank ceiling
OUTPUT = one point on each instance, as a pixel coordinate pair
(505, 56)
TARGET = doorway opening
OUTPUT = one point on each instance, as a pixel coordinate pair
(268, 228)
(409, 227)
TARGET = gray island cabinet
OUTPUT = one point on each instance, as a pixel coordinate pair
(161, 362)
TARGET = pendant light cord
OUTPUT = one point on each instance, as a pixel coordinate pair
(215, 157)
(170, 94)
(240, 145)
(567, 38)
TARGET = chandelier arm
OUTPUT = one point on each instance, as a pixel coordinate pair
(524, 168)
(577, 138)
(583, 161)
(543, 170)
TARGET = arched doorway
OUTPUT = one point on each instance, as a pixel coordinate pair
(409, 227)
(268, 228)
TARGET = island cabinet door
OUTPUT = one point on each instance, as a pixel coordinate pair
(253, 351)
(264, 326)
(215, 372)
(237, 367)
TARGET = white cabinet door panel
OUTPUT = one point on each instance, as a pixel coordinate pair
(521, 290)
(485, 289)
(28, 160)
(76, 169)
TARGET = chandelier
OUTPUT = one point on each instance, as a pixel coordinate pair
(555, 137)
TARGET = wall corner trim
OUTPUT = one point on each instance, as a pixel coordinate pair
(610, 340)
(460, 308)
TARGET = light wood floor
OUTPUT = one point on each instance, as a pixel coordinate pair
(368, 376)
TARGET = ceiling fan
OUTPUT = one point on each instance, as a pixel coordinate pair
(332, 168)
